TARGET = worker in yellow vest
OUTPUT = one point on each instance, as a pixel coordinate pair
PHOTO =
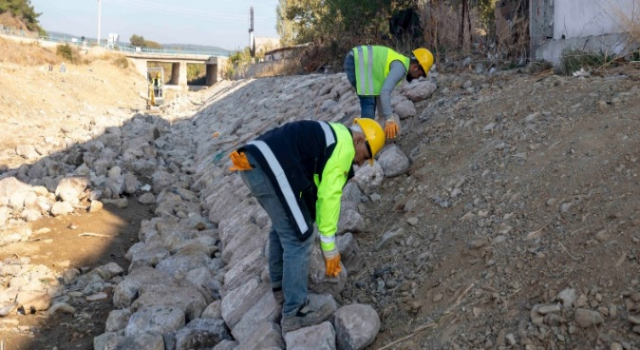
(374, 71)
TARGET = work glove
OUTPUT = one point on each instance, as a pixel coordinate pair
(240, 162)
(332, 262)
(392, 127)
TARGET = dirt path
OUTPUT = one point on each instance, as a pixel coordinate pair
(61, 244)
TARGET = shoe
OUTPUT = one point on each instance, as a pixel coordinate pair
(306, 316)
(278, 294)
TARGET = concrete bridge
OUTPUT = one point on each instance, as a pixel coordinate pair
(179, 65)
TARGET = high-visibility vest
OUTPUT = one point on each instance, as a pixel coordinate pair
(372, 64)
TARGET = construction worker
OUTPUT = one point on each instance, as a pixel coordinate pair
(374, 71)
(297, 172)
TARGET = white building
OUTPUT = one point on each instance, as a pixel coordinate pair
(599, 26)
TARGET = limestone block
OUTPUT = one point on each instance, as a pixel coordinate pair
(155, 319)
(393, 161)
(356, 326)
(202, 333)
(320, 337)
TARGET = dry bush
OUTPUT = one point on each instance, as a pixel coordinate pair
(282, 67)
(630, 23)
(68, 53)
(121, 62)
(26, 54)
(441, 24)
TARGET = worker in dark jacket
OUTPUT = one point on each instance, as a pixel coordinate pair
(374, 71)
(297, 172)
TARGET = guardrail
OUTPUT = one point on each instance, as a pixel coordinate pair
(118, 47)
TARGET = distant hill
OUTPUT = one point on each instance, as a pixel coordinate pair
(186, 47)
(197, 47)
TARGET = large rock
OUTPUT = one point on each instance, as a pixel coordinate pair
(27, 151)
(320, 337)
(239, 301)
(108, 271)
(350, 220)
(127, 290)
(405, 109)
(71, 188)
(368, 177)
(61, 208)
(11, 185)
(266, 335)
(226, 345)
(118, 320)
(161, 180)
(350, 253)
(351, 193)
(145, 255)
(356, 326)
(588, 318)
(419, 90)
(248, 239)
(179, 265)
(143, 341)
(319, 282)
(213, 310)
(244, 270)
(201, 333)
(265, 310)
(186, 298)
(131, 183)
(155, 319)
(393, 161)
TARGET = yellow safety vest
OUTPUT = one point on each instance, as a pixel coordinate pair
(372, 64)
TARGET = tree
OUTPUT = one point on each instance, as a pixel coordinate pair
(284, 26)
(24, 11)
(136, 40)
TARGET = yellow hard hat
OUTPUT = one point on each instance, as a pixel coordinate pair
(373, 133)
(424, 57)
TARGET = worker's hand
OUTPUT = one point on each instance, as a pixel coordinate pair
(391, 129)
(240, 161)
(332, 262)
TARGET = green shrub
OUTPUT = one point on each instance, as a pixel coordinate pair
(67, 52)
(574, 60)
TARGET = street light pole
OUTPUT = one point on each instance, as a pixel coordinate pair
(99, 18)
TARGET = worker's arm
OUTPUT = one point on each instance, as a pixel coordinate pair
(396, 73)
(334, 177)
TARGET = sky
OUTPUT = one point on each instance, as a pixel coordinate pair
(222, 23)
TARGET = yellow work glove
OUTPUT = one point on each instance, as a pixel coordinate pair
(240, 162)
(392, 127)
(332, 262)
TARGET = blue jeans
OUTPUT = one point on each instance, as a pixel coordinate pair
(367, 103)
(288, 256)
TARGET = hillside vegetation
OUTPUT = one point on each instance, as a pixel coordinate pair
(22, 11)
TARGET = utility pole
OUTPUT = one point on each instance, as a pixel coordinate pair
(252, 42)
(99, 19)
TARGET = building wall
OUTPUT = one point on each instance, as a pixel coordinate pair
(585, 25)
(583, 18)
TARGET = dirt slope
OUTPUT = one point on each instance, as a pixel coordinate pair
(37, 102)
(522, 189)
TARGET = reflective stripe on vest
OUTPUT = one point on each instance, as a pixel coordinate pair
(328, 134)
(281, 177)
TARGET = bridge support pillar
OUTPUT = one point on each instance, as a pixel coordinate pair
(212, 74)
(141, 66)
(179, 73)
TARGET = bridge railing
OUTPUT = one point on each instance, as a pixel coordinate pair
(118, 47)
